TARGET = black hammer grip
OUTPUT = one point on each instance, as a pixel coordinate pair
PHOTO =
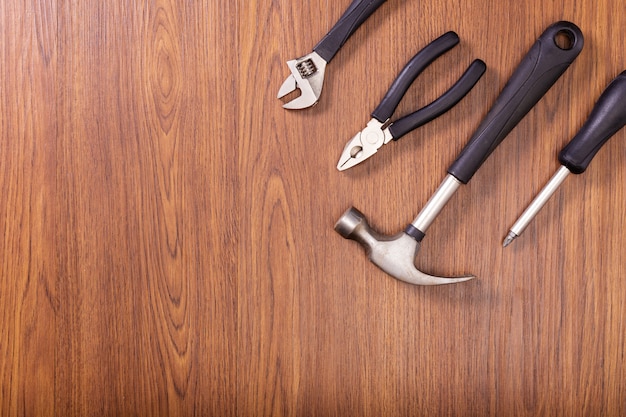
(352, 18)
(607, 117)
(544, 63)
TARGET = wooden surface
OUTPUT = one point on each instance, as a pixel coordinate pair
(167, 228)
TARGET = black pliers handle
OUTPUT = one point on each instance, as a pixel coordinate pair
(380, 130)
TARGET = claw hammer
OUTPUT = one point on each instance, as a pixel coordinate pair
(542, 66)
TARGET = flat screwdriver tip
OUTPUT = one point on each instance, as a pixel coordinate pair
(509, 239)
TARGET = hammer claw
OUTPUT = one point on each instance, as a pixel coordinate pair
(395, 255)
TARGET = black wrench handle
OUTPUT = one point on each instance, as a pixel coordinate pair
(607, 117)
(542, 66)
(352, 18)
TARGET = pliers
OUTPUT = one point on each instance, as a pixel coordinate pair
(380, 130)
(307, 72)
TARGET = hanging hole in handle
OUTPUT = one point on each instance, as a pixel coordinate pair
(565, 39)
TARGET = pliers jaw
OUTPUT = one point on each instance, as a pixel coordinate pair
(364, 144)
(307, 75)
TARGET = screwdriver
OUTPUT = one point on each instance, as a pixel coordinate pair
(607, 117)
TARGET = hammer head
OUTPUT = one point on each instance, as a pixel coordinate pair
(393, 254)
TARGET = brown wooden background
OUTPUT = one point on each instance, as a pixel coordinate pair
(167, 243)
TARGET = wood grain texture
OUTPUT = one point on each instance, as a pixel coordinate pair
(167, 228)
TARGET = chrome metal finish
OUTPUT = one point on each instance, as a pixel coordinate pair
(539, 201)
(364, 144)
(307, 75)
(436, 203)
(393, 254)
(509, 239)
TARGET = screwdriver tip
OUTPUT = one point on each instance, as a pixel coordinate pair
(509, 239)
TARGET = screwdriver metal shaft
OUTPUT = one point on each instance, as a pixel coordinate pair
(536, 205)
(607, 117)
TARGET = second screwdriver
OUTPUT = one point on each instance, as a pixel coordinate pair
(607, 117)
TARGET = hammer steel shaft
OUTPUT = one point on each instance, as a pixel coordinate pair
(437, 202)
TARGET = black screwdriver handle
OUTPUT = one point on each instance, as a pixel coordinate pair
(444, 103)
(352, 18)
(607, 117)
(409, 73)
(544, 63)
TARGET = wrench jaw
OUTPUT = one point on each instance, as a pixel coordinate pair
(393, 254)
(307, 75)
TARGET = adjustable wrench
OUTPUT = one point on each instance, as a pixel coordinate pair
(307, 72)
